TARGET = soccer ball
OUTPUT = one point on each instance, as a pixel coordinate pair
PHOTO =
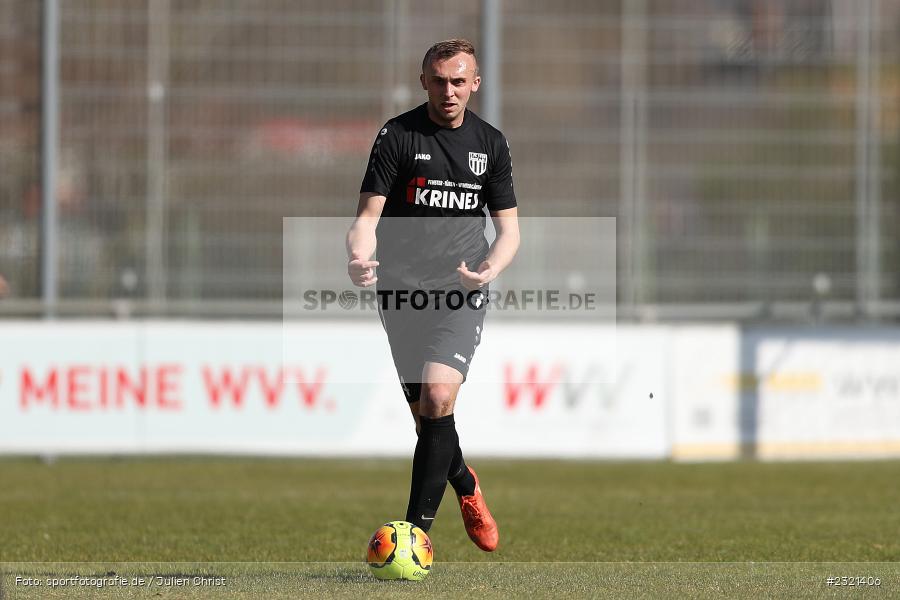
(400, 550)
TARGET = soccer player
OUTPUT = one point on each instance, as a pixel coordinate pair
(431, 174)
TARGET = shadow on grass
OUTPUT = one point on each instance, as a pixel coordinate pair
(340, 575)
(354, 575)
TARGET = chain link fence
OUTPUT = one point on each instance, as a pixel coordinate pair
(749, 148)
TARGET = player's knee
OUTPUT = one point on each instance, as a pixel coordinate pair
(436, 400)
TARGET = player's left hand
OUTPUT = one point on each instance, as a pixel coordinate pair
(473, 280)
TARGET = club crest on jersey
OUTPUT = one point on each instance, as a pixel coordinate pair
(478, 162)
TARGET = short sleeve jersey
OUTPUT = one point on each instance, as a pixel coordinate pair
(425, 170)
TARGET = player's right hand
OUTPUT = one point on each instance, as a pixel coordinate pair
(362, 272)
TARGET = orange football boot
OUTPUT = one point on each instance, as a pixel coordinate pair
(480, 525)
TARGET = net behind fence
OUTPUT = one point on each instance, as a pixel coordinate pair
(749, 149)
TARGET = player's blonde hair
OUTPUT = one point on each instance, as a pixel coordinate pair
(448, 49)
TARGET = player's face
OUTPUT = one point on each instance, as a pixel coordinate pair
(449, 84)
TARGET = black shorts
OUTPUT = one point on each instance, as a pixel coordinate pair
(447, 334)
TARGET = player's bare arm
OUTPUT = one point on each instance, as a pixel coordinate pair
(361, 240)
(501, 254)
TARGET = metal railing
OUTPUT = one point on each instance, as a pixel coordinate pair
(750, 150)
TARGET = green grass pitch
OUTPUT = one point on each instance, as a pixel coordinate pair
(295, 528)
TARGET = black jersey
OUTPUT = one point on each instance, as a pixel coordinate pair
(426, 171)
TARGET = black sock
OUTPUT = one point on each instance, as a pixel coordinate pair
(431, 464)
(462, 481)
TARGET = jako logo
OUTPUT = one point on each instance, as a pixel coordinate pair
(423, 157)
(417, 193)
